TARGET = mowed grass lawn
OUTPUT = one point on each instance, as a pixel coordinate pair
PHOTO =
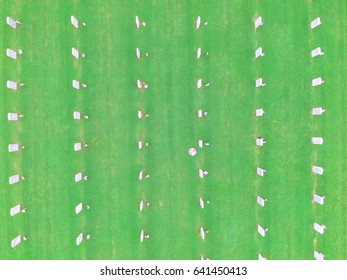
(112, 160)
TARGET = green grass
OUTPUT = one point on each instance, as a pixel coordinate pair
(112, 160)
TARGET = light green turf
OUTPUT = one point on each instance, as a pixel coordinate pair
(112, 100)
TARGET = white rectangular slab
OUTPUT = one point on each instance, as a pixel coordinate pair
(261, 230)
(260, 201)
(258, 22)
(78, 177)
(77, 147)
(75, 53)
(317, 82)
(16, 241)
(317, 140)
(259, 82)
(201, 173)
(317, 111)
(319, 228)
(199, 113)
(12, 116)
(76, 84)
(260, 171)
(142, 235)
(202, 233)
(15, 210)
(76, 115)
(259, 142)
(13, 148)
(199, 83)
(11, 53)
(13, 179)
(259, 112)
(12, 85)
(79, 239)
(316, 22)
(198, 22)
(11, 22)
(318, 199)
(200, 143)
(202, 203)
(78, 208)
(259, 52)
(317, 170)
(318, 256)
(137, 21)
(141, 204)
(316, 52)
(74, 21)
(198, 53)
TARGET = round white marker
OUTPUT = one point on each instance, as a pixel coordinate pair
(192, 152)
